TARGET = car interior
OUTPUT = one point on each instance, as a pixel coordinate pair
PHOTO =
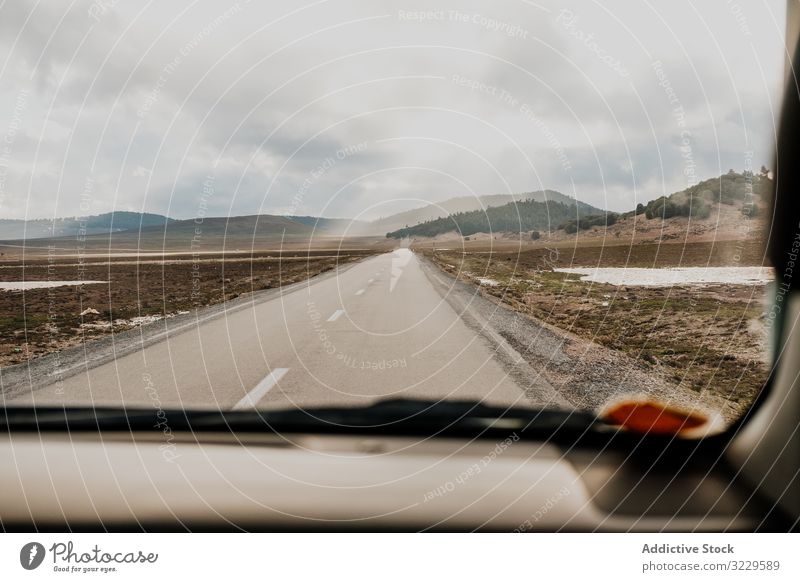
(427, 465)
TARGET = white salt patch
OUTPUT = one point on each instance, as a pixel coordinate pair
(487, 282)
(642, 277)
(133, 321)
(144, 319)
(96, 325)
(25, 285)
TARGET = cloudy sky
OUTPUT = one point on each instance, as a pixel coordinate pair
(364, 108)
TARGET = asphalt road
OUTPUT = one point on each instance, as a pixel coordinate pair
(381, 328)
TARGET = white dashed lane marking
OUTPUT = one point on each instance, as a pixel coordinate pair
(336, 315)
(257, 393)
(360, 292)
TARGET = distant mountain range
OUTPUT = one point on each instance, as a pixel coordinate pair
(208, 234)
(14, 229)
(127, 226)
(130, 226)
(540, 210)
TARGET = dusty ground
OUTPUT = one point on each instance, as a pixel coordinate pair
(706, 339)
(40, 321)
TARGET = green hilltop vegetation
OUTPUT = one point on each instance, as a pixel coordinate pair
(588, 222)
(512, 217)
(745, 188)
(732, 188)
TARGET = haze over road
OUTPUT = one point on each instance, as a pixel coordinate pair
(381, 328)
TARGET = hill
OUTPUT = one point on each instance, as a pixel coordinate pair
(746, 189)
(255, 225)
(331, 225)
(512, 217)
(193, 235)
(71, 226)
(159, 233)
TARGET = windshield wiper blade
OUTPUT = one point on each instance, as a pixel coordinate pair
(387, 417)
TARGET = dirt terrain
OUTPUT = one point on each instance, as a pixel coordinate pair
(709, 339)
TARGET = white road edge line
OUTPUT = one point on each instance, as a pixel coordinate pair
(359, 292)
(336, 315)
(257, 393)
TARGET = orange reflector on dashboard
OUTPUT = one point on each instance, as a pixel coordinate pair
(653, 418)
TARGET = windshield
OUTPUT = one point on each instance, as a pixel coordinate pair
(267, 207)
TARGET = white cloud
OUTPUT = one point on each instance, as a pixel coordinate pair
(474, 97)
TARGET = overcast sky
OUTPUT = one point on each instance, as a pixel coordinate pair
(361, 109)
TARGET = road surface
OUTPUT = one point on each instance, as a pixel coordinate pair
(381, 328)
